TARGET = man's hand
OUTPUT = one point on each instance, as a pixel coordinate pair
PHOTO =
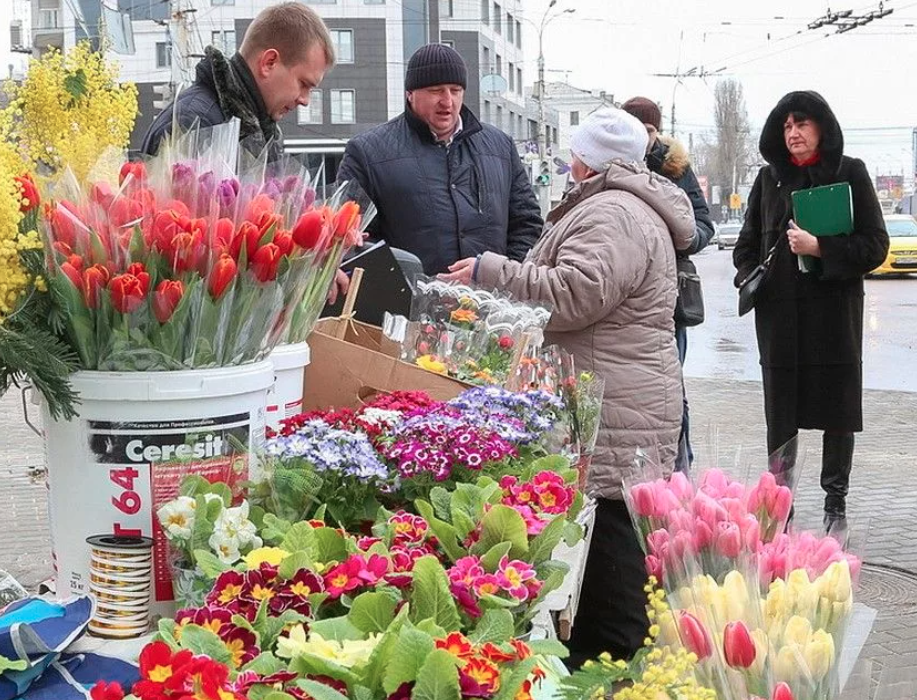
(802, 242)
(462, 271)
(340, 286)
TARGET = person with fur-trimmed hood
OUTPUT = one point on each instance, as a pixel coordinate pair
(669, 158)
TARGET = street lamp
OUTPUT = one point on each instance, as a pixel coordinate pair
(544, 183)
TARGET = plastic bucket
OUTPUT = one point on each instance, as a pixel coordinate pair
(137, 436)
(285, 399)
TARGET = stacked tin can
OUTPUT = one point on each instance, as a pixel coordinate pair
(120, 581)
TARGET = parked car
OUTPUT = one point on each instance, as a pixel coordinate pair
(727, 235)
(902, 249)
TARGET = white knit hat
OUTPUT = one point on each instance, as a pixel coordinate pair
(608, 134)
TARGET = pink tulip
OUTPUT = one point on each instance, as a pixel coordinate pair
(694, 636)
(708, 509)
(738, 646)
(644, 500)
(855, 565)
(680, 520)
(682, 545)
(735, 508)
(782, 692)
(681, 487)
(751, 534)
(654, 567)
(658, 541)
(703, 535)
(714, 483)
(735, 489)
(728, 540)
(779, 508)
(666, 501)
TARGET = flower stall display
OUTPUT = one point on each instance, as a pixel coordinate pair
(469, 333)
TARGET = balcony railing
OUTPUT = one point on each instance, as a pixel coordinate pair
(49, 19)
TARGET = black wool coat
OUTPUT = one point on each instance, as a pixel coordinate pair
(810, 326)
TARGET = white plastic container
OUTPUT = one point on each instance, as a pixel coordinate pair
(285, 399)
(137, 436)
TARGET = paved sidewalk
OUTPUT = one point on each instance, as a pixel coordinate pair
(728, 429)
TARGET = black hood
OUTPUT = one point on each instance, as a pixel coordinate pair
(773, 146)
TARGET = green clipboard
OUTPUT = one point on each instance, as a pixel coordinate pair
(823, 211)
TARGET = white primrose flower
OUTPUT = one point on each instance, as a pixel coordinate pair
(177, 518)
(233, 524)
(226, 548)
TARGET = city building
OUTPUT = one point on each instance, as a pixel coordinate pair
(373, 40)
(15, 40)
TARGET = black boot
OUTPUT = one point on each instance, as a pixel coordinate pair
(837, 461)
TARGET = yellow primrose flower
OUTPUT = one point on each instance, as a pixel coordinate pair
(265, 555)
(348, 653)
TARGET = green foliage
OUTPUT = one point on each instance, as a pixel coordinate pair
(431, 598)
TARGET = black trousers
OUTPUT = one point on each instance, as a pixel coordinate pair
(612, 608)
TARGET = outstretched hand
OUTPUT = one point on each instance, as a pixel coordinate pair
(461, 271)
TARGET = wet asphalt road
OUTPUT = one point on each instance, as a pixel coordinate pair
(724, 345)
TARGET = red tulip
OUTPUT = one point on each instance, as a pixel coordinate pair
(65, 220)
(222, 234)
(28, 190)
(73, 274)
(76, 261)
(222, 275)
(265, 262)
(782, 692)
(94, 279)
(284, 241)
(258, 207)
(135, 269)
(738, 646)
(167, 296)
(728, 539)
(309, 231)
(187, 251)
(125, 211)
(101, 193)
(138, 170)
(248, 235)
(346, 219)
(178, 206)
(128, 291)
(694, 636)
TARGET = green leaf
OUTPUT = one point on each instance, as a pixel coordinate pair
(379, 659)
(361, 692)
(320, 513)
(549, 647)
(573, 533)
(551, 463)
(329, 545)
(441, 499)
(468, 499)
(499, 603)
(293, 563)
(463, 525)
(503, 524)
(76, 86)
(430, 627)
(511, 683)
(431, 597)
(494, 626)
(10, 665)
(279, 695)
(445, 533)
(308, 664)
(319, 691)
(438, 678)
(542, 546)
(372, 612)
(166, 628)
(491, 560)
(209, 563)
(193, 486)
(265, 664)
(273, 626)
(339, 629)
(204, 642)
(299, 538)
(413, 647)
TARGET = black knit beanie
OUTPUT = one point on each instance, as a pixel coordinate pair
(435, 64)
(645, 110)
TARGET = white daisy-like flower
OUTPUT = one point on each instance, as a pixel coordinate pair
(177, 518)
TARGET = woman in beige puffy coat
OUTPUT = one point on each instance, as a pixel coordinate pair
(606, 262)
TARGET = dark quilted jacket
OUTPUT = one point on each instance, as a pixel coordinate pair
(222, 89)
(445, 204)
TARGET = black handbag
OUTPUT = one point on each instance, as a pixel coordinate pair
(748, 288)
(689, 306)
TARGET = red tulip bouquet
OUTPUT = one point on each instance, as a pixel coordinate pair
(185, 264)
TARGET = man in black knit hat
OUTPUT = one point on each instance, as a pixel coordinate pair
(447, 186)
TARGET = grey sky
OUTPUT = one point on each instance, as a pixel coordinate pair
(865, 74)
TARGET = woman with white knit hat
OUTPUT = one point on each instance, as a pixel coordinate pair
(606, 262)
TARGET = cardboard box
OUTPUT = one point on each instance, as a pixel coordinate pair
(347, 373)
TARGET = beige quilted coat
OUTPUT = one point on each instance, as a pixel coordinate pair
(606, 261)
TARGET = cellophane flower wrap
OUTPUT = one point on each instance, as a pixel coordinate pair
(195, 258)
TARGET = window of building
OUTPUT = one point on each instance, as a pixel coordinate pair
(312, 113)
(574, 118)
(373, 2)
(499, 64)
(519, 80)
(224, 40)
(488, 115)
(222, 2)
(343, 106)
(446, 8)
(512, 78)
(518, 34)
(520, 126)
(163, 54)
(498, 19)
(343, 44)
(485, 11)
(16, 33)
(448, 42)
(510, 33)
(499, 123)
(321, 2)
(485, 61)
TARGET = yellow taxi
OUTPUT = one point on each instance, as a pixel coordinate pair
(902, 251)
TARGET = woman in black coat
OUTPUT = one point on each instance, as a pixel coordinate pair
(810, 325)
